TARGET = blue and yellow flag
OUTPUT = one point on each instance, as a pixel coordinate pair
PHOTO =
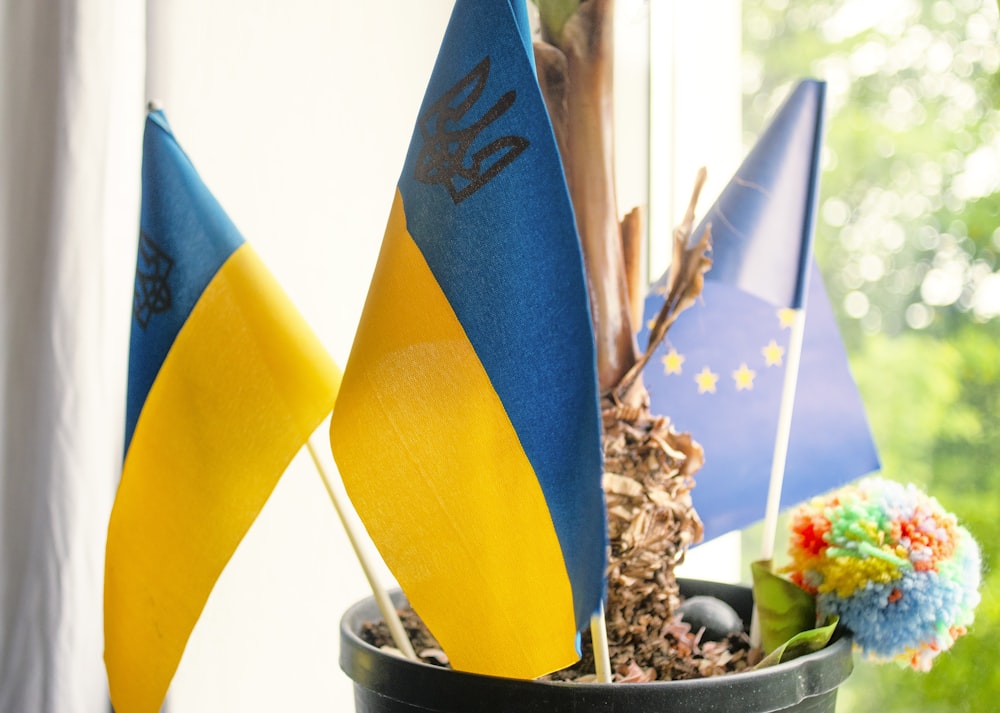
(226, 382)
(720, 372)
(467, 430)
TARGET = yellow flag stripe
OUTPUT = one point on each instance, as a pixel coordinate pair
(243, 386)
(488, 550)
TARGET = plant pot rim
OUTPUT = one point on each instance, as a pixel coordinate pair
(443, 689)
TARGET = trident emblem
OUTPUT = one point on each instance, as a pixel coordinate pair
(152, 291)
(443, 158)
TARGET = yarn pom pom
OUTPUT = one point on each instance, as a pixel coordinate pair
(898, 570)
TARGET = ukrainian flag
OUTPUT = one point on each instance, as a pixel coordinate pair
(226, 382)
(467, 429)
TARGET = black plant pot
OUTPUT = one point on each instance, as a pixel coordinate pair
(384, 683)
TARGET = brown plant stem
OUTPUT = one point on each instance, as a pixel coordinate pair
(648, 466)
(632, 234)
(579, 90)
(684, 283)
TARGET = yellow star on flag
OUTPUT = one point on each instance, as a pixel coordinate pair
(706, 381)
(773, 353)
(744, 377)
(672, 362)
(786, 317)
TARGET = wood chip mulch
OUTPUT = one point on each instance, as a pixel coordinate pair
(651, 523)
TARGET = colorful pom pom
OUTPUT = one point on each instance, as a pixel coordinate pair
(898, 570)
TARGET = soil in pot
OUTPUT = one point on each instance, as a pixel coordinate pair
(385, 683)
(685, 649)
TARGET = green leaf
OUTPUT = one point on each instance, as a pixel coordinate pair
(554, 14)
(803, 643)
(783, 609)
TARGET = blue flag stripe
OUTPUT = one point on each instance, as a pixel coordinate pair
(174, 263)
(517, 285)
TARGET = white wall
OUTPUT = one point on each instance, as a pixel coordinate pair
(298, 115)
(695, 107)
(695, 120)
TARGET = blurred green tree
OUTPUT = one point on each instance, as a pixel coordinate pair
(908, 239)
(908, 224)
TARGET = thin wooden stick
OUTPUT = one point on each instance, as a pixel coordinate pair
(783, 435)
(599, 637)
(781, 440)
(385, 604)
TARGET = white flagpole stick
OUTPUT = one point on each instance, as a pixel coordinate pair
(599, 637)
(783, 435)
(385, 604)
(781, 440)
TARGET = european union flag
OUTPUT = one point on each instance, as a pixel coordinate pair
(467, 429)
(762, 223)
(720, 372)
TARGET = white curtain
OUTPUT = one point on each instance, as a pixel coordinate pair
(71, 75)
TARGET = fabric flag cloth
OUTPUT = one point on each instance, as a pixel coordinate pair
(467, 430)
(226, 382)
(719, 374)
(762, 223)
